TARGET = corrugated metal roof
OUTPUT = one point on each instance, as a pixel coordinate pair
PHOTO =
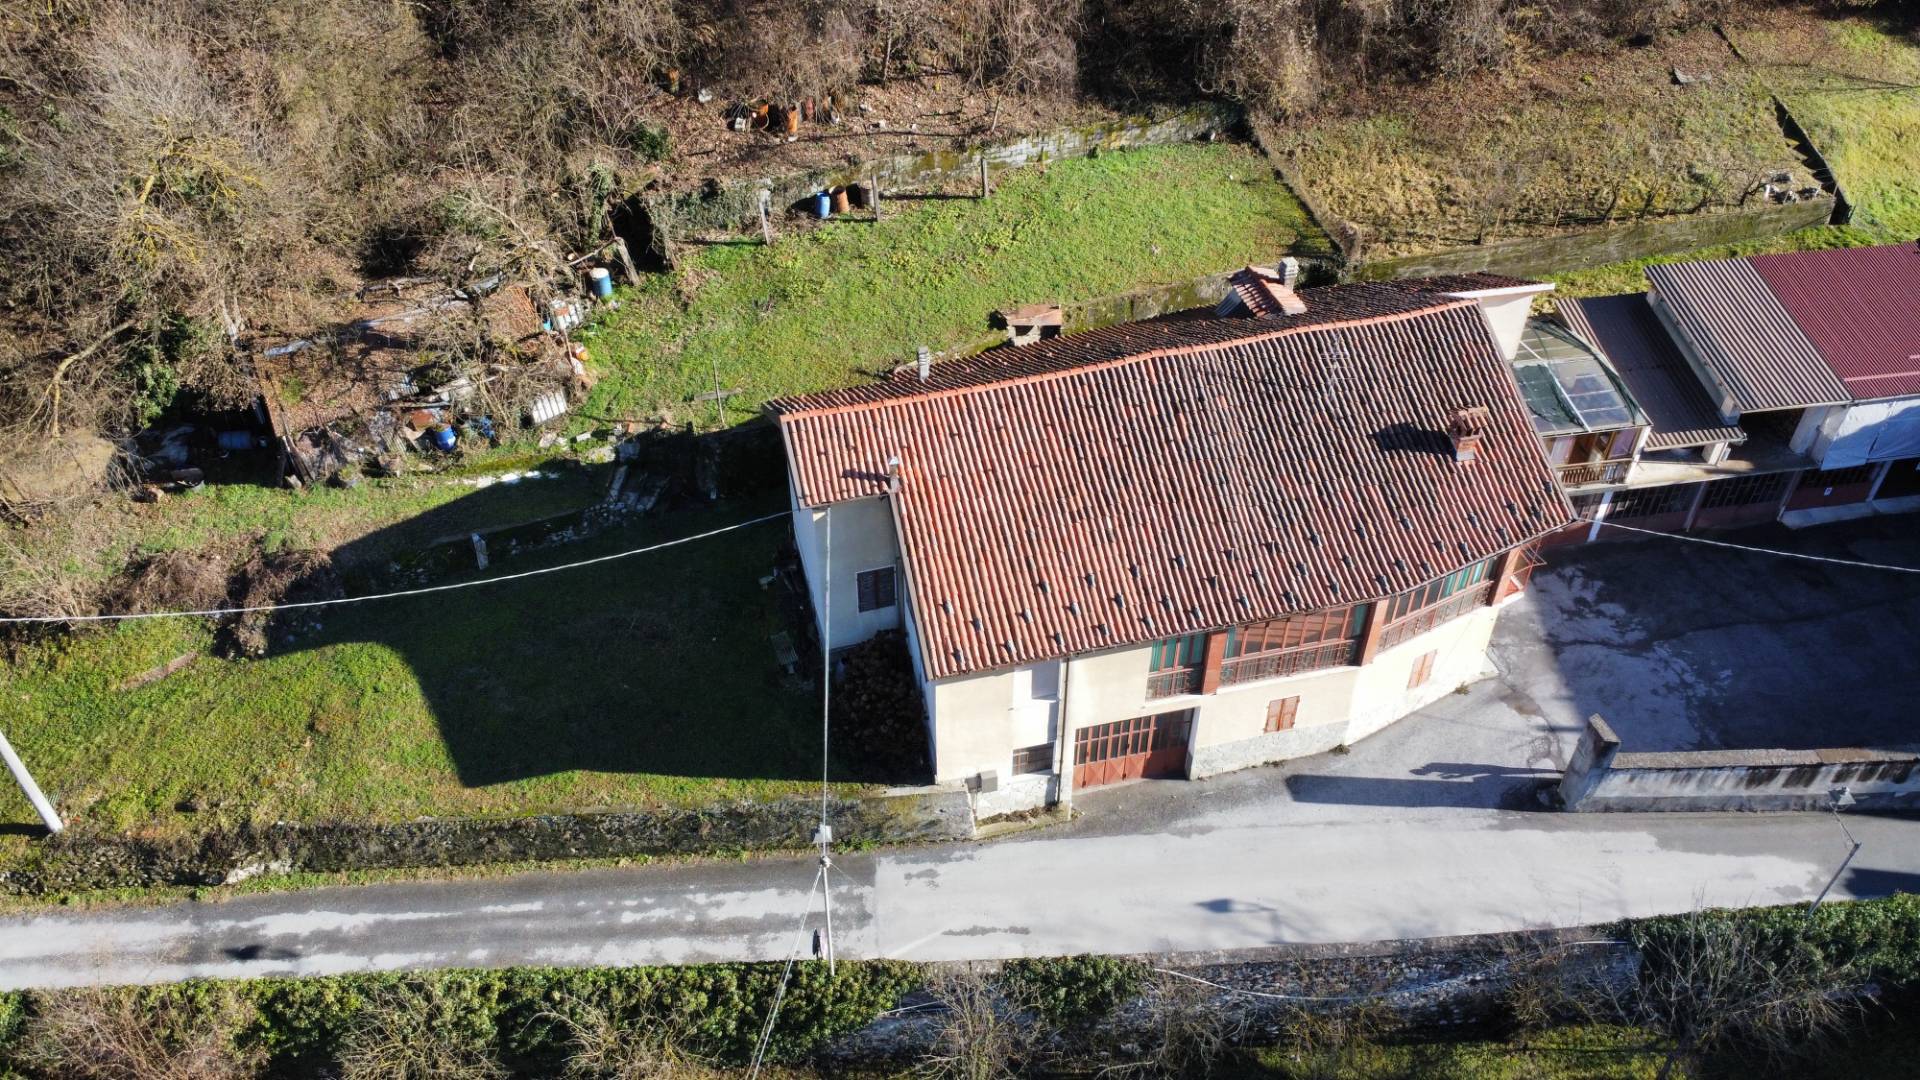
(1861, 309)
(1167, 478)
(1741, 331)
(1628, 332)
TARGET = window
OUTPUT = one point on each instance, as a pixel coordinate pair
(1646, 502)
(1174, 666)
(1298, 643)
(1437, 590)
(1745, 491)
(1422, 670)
(1033, 759)
(876, 588)
(1281, 711)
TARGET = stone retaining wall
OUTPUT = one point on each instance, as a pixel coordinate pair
(1578, 250)
(1601, 778)
(76, 860)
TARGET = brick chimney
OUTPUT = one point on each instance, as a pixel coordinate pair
(1466, 429)
(1033, 322)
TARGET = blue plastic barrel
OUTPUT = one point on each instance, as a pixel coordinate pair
(602, 282)
(236, 440)
(823, 205)
(444, 437)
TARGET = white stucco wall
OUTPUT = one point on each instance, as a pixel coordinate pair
(976, 726)
(1506, 316)
(1844, 435)
(862, 538)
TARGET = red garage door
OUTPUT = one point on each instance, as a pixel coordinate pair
(1131, 749)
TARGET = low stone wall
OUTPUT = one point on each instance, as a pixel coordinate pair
(1578, 250)
(76, 860)
(1601, 778)
(734, 204)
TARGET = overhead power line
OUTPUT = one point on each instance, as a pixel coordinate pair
(1757, 550)
(390, 595)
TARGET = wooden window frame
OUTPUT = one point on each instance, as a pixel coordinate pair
(869, 591)
(1281, 713)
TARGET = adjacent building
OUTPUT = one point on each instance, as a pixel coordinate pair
(1185, 545)
(1776, 386)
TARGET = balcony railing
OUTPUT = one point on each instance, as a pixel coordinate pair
(1595, 472)
(1281, 663)
(1173, 683)
(1425, 619)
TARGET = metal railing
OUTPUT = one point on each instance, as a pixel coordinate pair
(1595, 472)
(1284, 662)
(1419, 622)
(1174, 683)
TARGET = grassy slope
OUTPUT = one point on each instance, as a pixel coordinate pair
(1570, 1053)
(1858, 100)
(631, 683)
(1522, 151)
(822, 308)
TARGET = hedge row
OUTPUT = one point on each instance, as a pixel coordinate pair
(1877, 939)
(300, 1024)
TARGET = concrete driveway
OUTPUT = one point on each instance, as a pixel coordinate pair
(1680, 646)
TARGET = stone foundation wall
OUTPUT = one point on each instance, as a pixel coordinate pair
(76, 860)
(1266, 749)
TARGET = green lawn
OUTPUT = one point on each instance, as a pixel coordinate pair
(834, 303)
(1855, 86)
(637, 682)
(1567, 141)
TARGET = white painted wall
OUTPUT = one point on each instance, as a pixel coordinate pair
(1849, 435)
(1506, 316)
(978, 719)
(862, 538)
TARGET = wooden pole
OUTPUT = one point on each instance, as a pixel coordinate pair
(766, 221)
(874, 190)
(986, 189)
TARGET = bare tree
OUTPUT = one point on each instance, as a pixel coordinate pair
(415, 1034)
(602, 1047)
(1188, 1029)
(119, 1034)
(982, 1036)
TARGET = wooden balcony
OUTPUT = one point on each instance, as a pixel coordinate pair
(1281, 663)
(1595, 472)
(1175, 683)
(1419, 622)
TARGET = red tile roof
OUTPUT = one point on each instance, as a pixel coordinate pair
(1744, 335)
(1861, 309)
(1627, 331)
(1179, 475)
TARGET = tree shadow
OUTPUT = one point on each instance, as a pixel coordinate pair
(668, 663)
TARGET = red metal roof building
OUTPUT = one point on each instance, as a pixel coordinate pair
(1179, 475)
(1860, 307)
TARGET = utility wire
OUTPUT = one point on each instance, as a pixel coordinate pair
(389, 595)
(1756, 550)
(786, 974)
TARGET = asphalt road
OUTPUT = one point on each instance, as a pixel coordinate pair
(1212, 885)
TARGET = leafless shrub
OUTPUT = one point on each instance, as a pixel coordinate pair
(1329, 1044)
(981, 1036)
(1711, 984)
(601, 1047)
(416, 1033)
(1189, 1029)
(117, 1034)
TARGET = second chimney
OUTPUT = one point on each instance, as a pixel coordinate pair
(1467, 429)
